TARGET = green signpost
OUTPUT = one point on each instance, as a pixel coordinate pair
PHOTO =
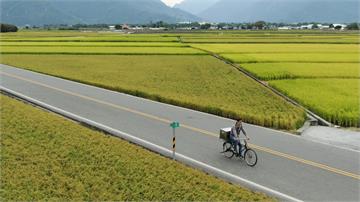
(174, 125)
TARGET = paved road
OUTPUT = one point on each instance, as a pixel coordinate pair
(292, 165)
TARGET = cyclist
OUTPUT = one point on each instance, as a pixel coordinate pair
(234, 135)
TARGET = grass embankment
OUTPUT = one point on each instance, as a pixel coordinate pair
(46, 157)
(198, 82)
(323, 77)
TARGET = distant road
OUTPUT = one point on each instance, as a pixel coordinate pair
(292, 165)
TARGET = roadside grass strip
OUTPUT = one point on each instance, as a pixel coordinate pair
(46, 157)
(337, 100)
(197, 82)
(279, 48)
(296, 58)
(274, 71)
(101, 50)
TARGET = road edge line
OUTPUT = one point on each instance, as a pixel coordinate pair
(156, 148)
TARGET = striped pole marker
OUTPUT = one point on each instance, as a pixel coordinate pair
(174, 143)
(174, 125)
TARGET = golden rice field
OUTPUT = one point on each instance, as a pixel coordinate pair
(336, 100)
(190, 81)
(269, 55)
(293, 57)
(92, 44)
(78, 50)
(324, 77)
(274, 71)
(46, 157)
(278, 48)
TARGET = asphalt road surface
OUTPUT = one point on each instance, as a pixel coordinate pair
(290, 164)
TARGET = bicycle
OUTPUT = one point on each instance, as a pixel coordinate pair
(246, 153)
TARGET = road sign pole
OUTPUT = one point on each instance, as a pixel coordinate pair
(174, 125)
(174, 143)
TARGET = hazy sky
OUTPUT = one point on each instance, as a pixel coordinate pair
(171, 2)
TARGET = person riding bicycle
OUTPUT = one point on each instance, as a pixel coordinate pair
(234, 135)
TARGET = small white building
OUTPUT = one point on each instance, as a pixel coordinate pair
(112, 27)
(338, 26)
(309, 26)
(284, 28)
(323, 26)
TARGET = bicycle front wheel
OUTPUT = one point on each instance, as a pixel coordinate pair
(250, 157)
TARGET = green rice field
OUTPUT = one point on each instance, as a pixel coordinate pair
(45, 157)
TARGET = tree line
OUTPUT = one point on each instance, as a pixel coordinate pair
(8, 28)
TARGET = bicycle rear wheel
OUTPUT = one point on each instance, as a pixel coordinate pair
(250, 157)
(227, 150)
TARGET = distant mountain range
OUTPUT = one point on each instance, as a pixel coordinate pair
(283, 11)
(40, 12)
(195, 6)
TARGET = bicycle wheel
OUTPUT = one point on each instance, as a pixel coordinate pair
(250, 157)
(227, 150)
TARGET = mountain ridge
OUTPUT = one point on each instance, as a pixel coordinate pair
(288, 11)
(41, 12)
(195, 6)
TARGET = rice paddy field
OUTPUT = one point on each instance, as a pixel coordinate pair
(77, 50)
(182, 63)
(192, 81)
(337, 100)
(46, 157)
(323, 75)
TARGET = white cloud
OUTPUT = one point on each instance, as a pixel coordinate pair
(171, 2)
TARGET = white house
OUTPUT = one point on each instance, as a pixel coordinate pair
(338, 26)
(309, 26)
(284, 28)
(320, 26)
